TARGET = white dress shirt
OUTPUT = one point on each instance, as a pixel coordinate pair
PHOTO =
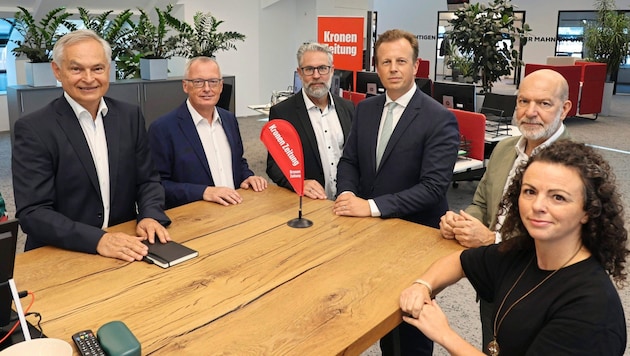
(329, 135)
(94, 133)
(215, 146)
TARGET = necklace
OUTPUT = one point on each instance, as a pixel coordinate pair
(493, 346)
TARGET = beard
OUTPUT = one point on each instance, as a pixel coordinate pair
(319, 91)
(542, 132)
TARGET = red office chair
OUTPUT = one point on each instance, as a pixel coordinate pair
(356, 97)
(472, 130)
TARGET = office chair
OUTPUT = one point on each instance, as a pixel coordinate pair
(472, 128)
(499, 109)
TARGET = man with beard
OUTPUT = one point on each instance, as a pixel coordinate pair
(542, 104)
(197, 147)
(322, 120)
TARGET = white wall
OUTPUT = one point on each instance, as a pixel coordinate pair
(4, 118)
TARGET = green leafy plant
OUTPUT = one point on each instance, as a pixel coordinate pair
(607, 39)
(478, 32)
(117, 32)
(460, 64)
(38, 38)
(203, 37)
(149, 39)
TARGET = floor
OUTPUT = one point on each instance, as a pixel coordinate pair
(608, 134)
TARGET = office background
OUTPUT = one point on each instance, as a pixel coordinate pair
(275, 28)
(266, 61)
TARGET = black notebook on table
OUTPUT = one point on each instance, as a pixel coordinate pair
(169, 254)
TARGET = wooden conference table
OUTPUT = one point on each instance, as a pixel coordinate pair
(257, 287)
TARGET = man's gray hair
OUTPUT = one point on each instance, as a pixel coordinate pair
(201, 59)
(77, 36)
(314, 47)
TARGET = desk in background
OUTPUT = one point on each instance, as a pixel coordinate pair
(257, 286)
(492, 138)
(261, 108)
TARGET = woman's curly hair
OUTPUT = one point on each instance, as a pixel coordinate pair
(604, 234)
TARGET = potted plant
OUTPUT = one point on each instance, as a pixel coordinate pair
(38, 40)
(607, 39)
(203, 37)
(117, 32)
(479, 32)
(460, 65)
(151, 46)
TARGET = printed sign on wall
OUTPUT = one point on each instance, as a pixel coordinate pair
(344, 35)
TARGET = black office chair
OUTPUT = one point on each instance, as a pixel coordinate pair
(225, 97)
(499, 109)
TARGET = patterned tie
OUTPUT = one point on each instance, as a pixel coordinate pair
(385, 133)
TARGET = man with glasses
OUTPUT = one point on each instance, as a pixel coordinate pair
(197, 147)
(322, 120)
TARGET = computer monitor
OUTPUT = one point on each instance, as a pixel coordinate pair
(425, 85)
(297, 82)
(346, 79)
(369, 83)
(8, 243)
(452, 95)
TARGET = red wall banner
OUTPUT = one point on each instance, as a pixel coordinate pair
(285, 146)
(344, 35)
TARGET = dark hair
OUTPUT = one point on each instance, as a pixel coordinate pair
(394, 35)
(604, 234)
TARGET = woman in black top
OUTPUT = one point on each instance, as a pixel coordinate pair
(564, 236)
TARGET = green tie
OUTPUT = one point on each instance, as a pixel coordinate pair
(386, 132)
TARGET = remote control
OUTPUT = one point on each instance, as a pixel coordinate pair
(87, 344)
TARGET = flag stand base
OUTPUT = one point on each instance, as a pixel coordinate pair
(300, 223)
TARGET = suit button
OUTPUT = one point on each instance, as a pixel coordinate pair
(100, 215)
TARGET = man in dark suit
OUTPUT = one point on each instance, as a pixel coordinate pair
(405, 175)
(82, 163)
(197, 147)
(322, 120)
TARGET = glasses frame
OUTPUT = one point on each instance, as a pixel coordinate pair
(200, 83)
(326, 70)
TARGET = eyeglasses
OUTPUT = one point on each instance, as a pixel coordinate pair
(311, 70)
(200, 83)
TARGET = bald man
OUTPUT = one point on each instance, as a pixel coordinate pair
(542, 104)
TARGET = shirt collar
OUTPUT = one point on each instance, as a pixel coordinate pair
(79, 109)
(520, 145)
(309, 103)
(404, 99)
(197, 118)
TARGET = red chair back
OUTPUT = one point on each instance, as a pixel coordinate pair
(472, 128)
(572, 74)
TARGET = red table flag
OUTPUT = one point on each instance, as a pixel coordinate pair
(284, 145)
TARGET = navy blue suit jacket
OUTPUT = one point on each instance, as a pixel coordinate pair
(181, 160)
(416, 167)
(57, 192)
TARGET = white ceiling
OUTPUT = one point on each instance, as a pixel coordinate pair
(39, 8)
